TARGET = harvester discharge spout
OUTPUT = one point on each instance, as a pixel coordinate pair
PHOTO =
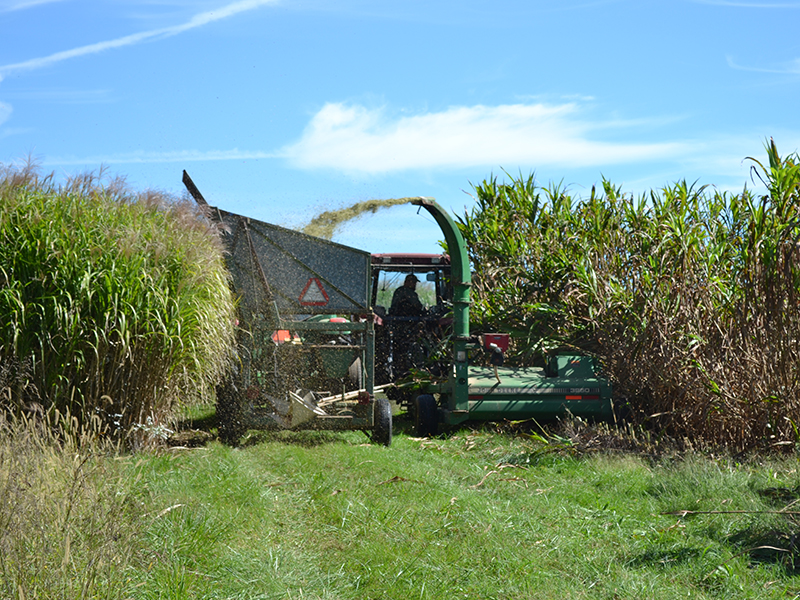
(461, 282)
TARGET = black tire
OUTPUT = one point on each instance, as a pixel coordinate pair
(426, 416)
(230, 419)
(382, 434)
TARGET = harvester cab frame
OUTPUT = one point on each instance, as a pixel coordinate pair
(403, 342)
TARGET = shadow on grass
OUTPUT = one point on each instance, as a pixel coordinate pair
(770, 546)
(673, 556)
(776, 543)
(305, 438)
(772, 539)
(403, 424)
(781, 497)
(194, 432)
(204, 423)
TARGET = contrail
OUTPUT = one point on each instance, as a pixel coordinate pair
(23, 4)
(197, 20)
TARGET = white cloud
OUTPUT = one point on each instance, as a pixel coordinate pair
(9, 6)
(751, 4)
(791, 67)
(357, 139)
(197, 20)
(62, 95)
(5, 112)
(177, 156)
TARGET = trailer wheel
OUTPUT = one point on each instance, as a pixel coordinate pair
(382, 434)
(230, 421)
(426, 417)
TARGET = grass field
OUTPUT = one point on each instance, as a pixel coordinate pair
(476, 514)
(115, 309)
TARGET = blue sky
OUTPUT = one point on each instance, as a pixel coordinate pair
(281, 108)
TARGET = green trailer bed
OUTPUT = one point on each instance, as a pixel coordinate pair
(530, 393)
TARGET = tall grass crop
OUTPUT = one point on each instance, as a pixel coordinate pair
(689, 295)
(70, 511)
(116, 303)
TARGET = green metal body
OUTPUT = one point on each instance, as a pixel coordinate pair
(530, 393)
(569, 385)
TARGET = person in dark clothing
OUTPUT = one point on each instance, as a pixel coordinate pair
(405, 302)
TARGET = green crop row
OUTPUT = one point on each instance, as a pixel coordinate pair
(111, 302)
(689, 295)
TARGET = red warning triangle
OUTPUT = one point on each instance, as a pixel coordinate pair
(314, 294)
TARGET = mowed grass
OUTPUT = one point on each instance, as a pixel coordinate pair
(474, 515)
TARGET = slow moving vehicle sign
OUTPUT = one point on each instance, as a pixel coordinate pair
(313, 294)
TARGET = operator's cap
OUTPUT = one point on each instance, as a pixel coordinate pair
(411, 277)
